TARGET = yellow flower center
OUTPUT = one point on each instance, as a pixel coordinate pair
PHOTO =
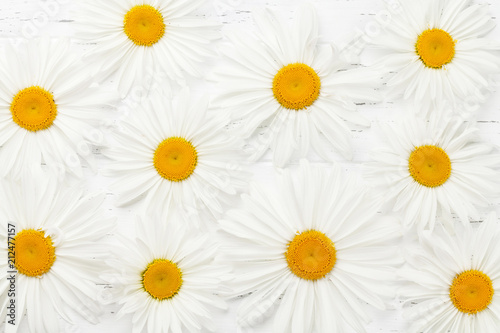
(471, 291)
(162, 279)
(175, 159)
(435, 47)
(33, 109)
(143, 24)
(34, 252)
(311, 255)
(429, 166)
(296, 86)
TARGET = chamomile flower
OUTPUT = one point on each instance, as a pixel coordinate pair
(434, 168)
(48, 107)
(439, 50)
(284, 78)
(452, 281)
(317, 244)
(51, 236)
(175, 153)
(141, 39)
(169, 280)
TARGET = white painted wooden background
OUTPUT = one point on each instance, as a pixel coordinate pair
(340, 21)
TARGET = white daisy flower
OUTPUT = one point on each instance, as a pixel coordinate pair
(141, 38)
(175, 154)
(283, 76)
(438, 49)
(434, 168)
(169, 279)
(452, 281)
(47, 108)
(51, 236)
(316, 248)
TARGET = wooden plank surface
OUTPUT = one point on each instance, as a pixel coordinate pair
(340, 22)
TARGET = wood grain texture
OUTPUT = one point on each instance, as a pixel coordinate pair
(340, 21)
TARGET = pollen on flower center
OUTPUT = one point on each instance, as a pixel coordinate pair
(429, 166)
(435, 47)
(144, 25)
(34, 252)
(33, 109)
(311, 255)
(471, 291)
(296, 86)
(162, 279)
(175, 159)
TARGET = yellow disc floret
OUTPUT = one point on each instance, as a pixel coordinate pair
(34, 252)
(429, 166)
(33, 109)
(435, 48)
(471, 291)
(296, 86)
(162, 279)
(311, 255)
(144, 25)
(175, 159)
